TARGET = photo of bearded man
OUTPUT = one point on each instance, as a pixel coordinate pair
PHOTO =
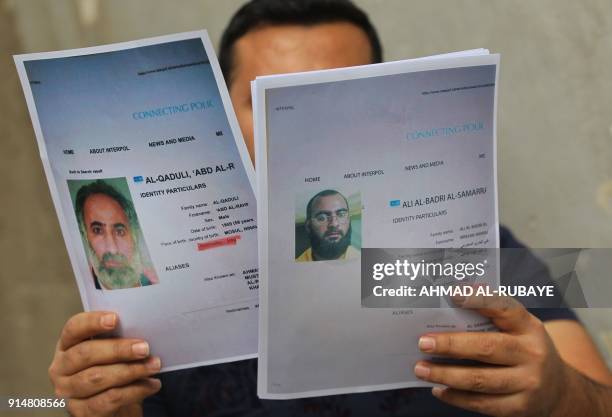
(111, 235)
(329, 229)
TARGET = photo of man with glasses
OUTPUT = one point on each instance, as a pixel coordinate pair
(328, 225)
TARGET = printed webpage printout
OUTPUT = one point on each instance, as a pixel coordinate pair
(394, 155)
(152, 185)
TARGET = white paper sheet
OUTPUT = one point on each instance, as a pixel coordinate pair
(175, 254)
(384, 136)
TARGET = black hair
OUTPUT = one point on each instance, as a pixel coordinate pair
(257, 13)
(323, 193)
(102, 187)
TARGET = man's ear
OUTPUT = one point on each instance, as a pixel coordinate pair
(307, 226)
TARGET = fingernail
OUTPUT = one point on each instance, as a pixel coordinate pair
(140, 349)
(437, 391)
(154, 364)
(108, 321)
(421, 371)
(427, 344)
(155, 382)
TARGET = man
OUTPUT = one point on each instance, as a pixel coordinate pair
(328, 225)
(528, 368)
(108, 223)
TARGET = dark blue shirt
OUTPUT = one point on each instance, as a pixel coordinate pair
(230, 389)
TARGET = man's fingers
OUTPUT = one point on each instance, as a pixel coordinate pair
(506, 313)
(501, 380)
(108, 402)
(101, 352)
(85, 325)
(97, 379)
(489, 404)
(494, 348)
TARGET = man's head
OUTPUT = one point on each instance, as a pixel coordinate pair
(280, 36)
(107, 221)
(328, 224)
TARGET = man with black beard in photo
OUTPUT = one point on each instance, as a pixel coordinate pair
(328, 224)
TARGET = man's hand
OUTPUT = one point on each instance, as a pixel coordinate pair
(521, 373)
(102, 377)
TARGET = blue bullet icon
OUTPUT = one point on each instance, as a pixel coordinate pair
(394, 203)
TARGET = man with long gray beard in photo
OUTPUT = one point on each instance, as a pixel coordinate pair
(328, 224)
(109, 228)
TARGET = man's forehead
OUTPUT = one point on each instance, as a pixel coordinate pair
(102, 207)
(274, 49)
(329, 202)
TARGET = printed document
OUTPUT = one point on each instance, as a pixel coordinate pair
(152, 185)
(393, 155)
